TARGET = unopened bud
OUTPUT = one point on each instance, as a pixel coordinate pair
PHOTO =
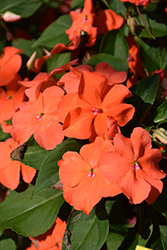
(131, 24)
(9, 16)
(160, 135)
(31, 61)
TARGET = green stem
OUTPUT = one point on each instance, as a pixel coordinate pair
(138, 11)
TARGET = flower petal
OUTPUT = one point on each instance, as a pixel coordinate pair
(92, 87)
(27, 172)
(91, 152)
(113, 166)
(78, 123)
(72, 169)
(10, 175)
(136, 189)
(111, 74)
(141, 141)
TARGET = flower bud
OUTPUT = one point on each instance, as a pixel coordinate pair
(9, 16)
(160, 135)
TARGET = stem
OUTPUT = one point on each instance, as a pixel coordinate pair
(11, 37)
(138, 11)
(140, 222)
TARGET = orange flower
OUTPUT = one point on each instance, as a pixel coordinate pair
(43, 81)
(133, 166)
(10, 64)
(95, 103)
(58, 48)
(10, 100)
(82, 24)
(138, 2)
(106, 20)
(71, 79)
(10, 169)
(82, 184)
(135, 62)
(52, 239)
(41, 119)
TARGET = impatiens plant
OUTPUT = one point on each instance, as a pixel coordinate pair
(83, 125)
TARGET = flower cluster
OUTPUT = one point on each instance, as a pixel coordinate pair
(94, 120)
(87, 24)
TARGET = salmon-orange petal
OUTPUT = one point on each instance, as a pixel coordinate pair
(92, 87)
(78, 123)
(52, 239)
(27, 172)
(106, 20)
(114, 166)
(73, 164)
(111, 74)
(136, 189)
(83, 185)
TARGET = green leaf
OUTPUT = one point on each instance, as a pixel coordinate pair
(163, 235)
(161, 113)
(77, 4)
(48, 175)
(163, 60)
(144, 93)
(87, 231)
(154, 23)
(7, 244)
(114, 240)
(35, 156)
(117, 63)
(57, 60)
(114, 43)
(118, 7)
(30, 216)
(3, 136)
(55, 33)
(23, 8)
(150, 55)
(25, 45)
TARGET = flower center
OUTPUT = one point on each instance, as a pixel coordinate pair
(39, 117)
(56, 245)
(91, 173)
(136, 166)
(85, 19)
(96, 111)
(8, 98)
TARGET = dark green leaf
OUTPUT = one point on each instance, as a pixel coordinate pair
(161, 113)
(48, 174)
(55, 33)
(154, 24)
(144, 93)
(87, 231)
(25, 45)
(118, 7)
(3, 136)
(23, 8)
(77, 4)
(35, 156)
(163, 235)
(57, 60)
(30, 216)
(114, 240)
(163, 60)
(150, 55)
(114, 43)
(7, 244)
(117, 63)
